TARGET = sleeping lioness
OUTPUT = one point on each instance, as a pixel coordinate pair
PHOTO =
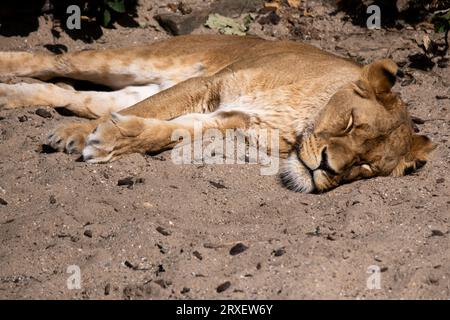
(337, 121)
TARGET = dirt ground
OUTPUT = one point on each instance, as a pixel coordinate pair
(170, 235)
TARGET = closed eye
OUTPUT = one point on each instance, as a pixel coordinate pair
(349, 124)
(93, 142)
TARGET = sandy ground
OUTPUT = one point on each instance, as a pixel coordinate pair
(170, 235)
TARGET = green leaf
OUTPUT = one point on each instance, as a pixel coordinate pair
(106, 17)
(248, 19)
(116, 5)
(225, 25)
(441, 29)
(441, 22)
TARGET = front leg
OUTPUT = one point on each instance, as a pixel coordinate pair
(122, 135)
(194, 95)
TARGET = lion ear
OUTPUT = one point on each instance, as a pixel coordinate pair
(381, 75)
(421, 147)
(363, 89)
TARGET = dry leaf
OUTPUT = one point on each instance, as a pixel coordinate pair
(426, 42)
(273, 5)
(294, 3)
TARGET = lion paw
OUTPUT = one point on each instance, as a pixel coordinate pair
(70, 138)
(114, 138)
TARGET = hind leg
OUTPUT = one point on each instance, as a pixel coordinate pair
(115, 68)
(25, 64)
(86, 104)
(136, 73)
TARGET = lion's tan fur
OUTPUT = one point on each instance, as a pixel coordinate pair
(230, 82)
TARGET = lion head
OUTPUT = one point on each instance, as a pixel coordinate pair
(364, 131)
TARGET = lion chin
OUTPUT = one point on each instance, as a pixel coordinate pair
(296, 176)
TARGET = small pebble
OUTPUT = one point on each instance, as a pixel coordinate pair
(88, 233)
(198, 255)
(129, 264)
(160, 269)
(52, 199)
(185, 290)
(209, 245)
(43, 113)
(330, 237)
(163, 249)
(3, 202)
(163, 283)
(279, 252)
(107, 289)
(22, 118)
(433, 279)
(224, 286)
(129, 181)
(238, 248)
(437, 233)
(163, 231)
(218, 185)
(147, 205)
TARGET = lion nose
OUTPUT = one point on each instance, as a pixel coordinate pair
(324, 164)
